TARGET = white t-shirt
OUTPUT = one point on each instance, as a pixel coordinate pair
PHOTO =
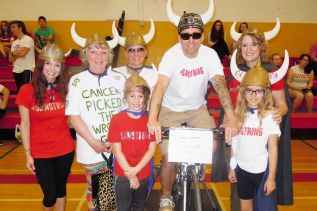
(299, 77)
(26, 62)
(188, 77)
(149, 74)
(250, 145)
(96, 100)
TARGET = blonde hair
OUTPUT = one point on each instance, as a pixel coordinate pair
(255, 39)
(99, 45)
(242, 106)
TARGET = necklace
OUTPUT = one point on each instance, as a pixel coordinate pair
(52, 86)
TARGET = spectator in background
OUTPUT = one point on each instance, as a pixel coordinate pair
(22, 54)
(5, 38)
(313, 57)
(300, 83)
(3, 102)
(276, 60)
(217, 40)
(243, 26)
(43, 35)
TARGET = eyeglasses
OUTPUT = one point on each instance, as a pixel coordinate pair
(258, 92)
(195, 36)
(131, 50)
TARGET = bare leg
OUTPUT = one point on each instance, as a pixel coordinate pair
(48, 208)
(297, 97)
(60, 204)
(309, 98)
(168, 173)
(246, 205)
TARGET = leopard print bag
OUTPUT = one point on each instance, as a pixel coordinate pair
(103, 195)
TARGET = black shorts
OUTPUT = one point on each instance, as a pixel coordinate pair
(247, 183)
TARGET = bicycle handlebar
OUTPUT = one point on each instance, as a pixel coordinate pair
(219, 132)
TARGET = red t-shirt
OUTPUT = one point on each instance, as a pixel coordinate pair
(134, 138)
(49, 131)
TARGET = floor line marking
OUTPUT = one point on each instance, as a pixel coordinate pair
(214, 188)
(81, 202)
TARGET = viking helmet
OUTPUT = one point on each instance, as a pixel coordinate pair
(256, 76)
(134, 38)
(52, 52)
(266, 35)
(135, 80)
(83, 42)
(190, 20)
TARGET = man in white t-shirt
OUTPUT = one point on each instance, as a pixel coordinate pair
(178, 97)
(22, 54)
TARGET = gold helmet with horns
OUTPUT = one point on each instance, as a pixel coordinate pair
(52, 52)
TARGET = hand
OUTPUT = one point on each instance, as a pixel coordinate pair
(232, 176)
(231, 129)
(108, 147)
(277, 117)
(154, 128)
(30, 163)
(130, 172)
(2, 106)
(269, 186)
(98, 146)
(134, 183)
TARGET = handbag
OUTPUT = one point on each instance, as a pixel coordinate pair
(103, 195)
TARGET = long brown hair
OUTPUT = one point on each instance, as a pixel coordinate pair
(40, 83)
(242, 106)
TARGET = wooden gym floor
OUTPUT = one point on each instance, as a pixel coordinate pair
(19, 190)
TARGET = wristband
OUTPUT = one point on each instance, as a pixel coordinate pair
(27, 151)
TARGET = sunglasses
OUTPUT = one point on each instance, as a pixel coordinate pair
(195, 36)
(131, 50)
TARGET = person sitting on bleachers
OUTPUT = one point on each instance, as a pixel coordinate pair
(3, 102)
(300, 80)
(6, 38)
(276, 60)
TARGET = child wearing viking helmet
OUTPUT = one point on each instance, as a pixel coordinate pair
(132, 145)
(254, 150)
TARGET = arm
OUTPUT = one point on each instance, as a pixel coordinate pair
(123, 163)
(280, 105)
(5, 98)
(19, 53)
(82, 129)
(310, 82)
(48, 39)
(231, 125)
(232, 174)
(269, 184)
(132, 171)
(154, 125)
(25, 132)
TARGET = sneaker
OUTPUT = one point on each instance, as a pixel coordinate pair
(1, 143)
(166, 203)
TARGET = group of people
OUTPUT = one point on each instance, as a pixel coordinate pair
(108, 108)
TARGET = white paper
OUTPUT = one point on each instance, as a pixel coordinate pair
(190, 145)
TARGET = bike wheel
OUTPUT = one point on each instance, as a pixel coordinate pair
(197, 205)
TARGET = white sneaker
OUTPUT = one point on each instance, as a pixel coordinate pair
(166, 203)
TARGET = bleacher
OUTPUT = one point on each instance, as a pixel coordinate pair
(299, 120)
(12, 117)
